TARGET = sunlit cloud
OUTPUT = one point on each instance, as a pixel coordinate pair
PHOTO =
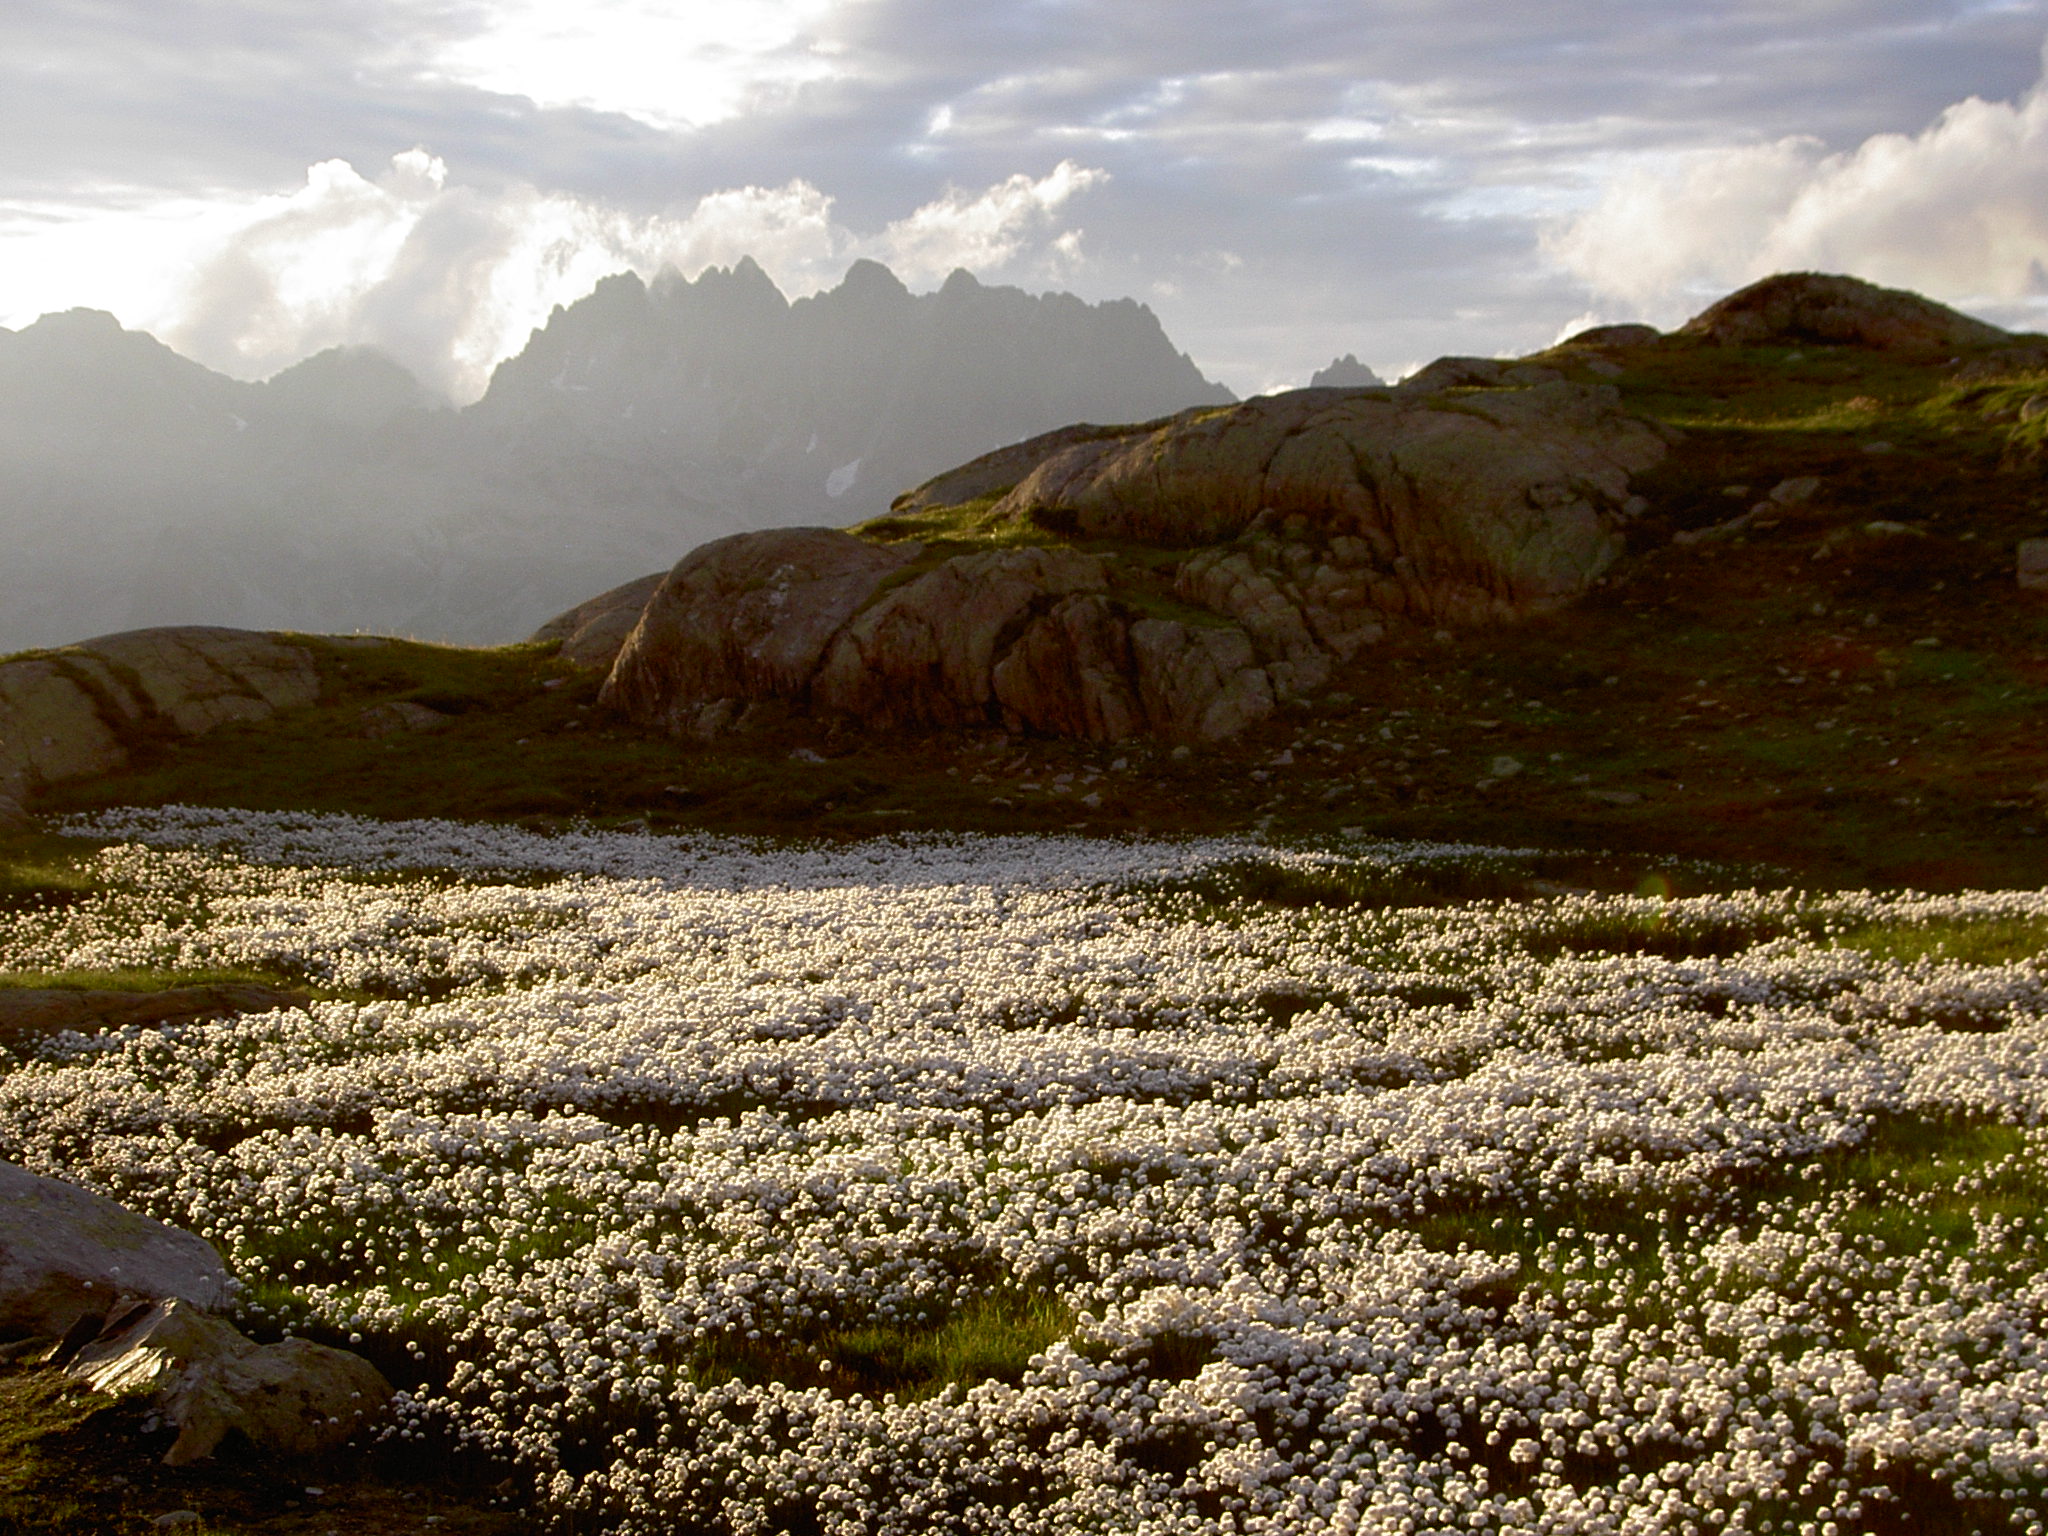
(1958, 210)
(668, 63)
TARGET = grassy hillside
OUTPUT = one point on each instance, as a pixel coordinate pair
(1847, 689)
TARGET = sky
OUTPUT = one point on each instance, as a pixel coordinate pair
(1282, 181)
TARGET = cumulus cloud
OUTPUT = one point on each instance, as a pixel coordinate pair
(1958, 210)
(451, 279)
(987, 229)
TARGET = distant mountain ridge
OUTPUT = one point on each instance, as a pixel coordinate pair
(138, 487)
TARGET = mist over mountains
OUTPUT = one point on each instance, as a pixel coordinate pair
(138, 487)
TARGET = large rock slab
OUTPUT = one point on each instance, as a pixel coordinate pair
(995, 473)
(80, 712)
(67, 1253)
(745, 617)
(293, 1398)
(1814, 308)
(1179, 579)
(1492, 505)
(925, 652)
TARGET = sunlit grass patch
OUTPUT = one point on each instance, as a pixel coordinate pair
(1972, 940)
(993, 1336)
(42, 872)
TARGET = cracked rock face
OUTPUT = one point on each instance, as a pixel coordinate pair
(1232, 559)
(73, 713)
(293, 1398)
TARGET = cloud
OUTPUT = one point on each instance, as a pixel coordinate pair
(986, 230)
(1958, 211)
(666, 65)
(1382, 170)
(451, 279)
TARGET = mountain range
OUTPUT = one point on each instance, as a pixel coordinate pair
(138, 487)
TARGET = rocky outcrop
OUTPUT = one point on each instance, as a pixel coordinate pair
(206, 1378)
(1616, 337)
(1178, 579)
(1494, 505)
(1811, 308)
(1475, 373)
(743, 618)
(67, 1253)
(80, 711)
(993, 474)
(592, 633)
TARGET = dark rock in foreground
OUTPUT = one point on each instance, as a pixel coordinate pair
(125, 1304)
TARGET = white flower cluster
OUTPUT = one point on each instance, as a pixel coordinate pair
(638, 1156)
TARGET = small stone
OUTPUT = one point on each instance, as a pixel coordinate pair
(2033, 564)
(400, 715)
(2036, 405)
(177, 1519)
(1504, 767)
(1789, 493)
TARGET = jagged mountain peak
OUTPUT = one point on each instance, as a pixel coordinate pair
(1346, 372)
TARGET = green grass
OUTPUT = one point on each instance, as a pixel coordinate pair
(42, 871)
(1979, 941)
(991, 1337)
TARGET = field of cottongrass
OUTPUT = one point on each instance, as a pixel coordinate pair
(993, 1185)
